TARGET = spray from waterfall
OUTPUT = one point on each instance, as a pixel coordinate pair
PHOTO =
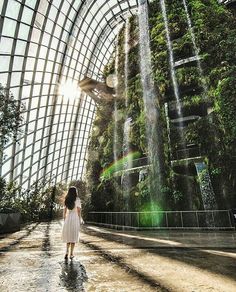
(196, 49)
(126, 180)
(150, 103)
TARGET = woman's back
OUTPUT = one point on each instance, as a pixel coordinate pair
(77, 205)
(71, 215)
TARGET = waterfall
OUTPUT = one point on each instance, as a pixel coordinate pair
(115, 113)
(115, 135)
(171, 58)
(172, 70)
(126, 181)
(196, 49)
(126, 46)
(150, 102)
(207, 192)
(126, 143)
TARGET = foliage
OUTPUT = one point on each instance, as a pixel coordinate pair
(10, 116)
(10, 201)
(38, 202)
(214, 29)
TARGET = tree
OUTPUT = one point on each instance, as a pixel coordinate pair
(10, 118)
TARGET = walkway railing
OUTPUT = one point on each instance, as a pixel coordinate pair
(210, 219)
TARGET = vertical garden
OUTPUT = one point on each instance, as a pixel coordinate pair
(193, 69)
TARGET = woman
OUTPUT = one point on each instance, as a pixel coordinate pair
(71, 216)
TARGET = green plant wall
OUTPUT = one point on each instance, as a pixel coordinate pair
(215, 31)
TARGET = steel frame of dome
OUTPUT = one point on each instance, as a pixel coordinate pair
(43, 44)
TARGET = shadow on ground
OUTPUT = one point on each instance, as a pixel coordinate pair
(18, 240)
(215, 263)
(127, 267)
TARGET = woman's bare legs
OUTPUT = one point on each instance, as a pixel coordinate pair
(72, 246)
(67, 250)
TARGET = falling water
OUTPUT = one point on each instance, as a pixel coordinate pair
(126, 143)
(126, 181)
(196, 49)
(150, 104)
(127, 31)
(176, 87)
(115, 113)
(115, 134)
(207, 192)
(208, 196)
(171, 58)
(127, 124)
(172, 70)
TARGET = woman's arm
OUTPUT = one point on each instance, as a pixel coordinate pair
(64, 212)
(78, 211)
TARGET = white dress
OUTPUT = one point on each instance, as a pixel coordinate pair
(71, 227)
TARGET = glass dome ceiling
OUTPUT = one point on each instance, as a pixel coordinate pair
(46, 48)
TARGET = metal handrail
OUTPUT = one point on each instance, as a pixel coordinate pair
(166, 211)
(207, 219)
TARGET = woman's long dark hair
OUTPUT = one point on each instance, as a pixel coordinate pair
(70, 198)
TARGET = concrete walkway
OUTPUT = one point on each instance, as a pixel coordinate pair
(108, 260)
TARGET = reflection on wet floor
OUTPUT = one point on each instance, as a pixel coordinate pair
(109, 260)
(46, 245)
(6, 244)
(73, 275)
(120, 261)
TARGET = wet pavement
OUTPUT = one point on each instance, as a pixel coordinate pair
(110, 260)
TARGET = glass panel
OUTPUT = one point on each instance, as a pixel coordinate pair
(18, 63)
(13, 8)
(9, 27)
(15, 79)
(33, 49)
(20, 48)
(23, 31)
(53, 12)
(57, 31)
(5, 45)
(27, 15)
(35, 35)
(30, 64)
(49, 26)
(1, 4)
(31, 3)
(6, 166)
(3, 79)
(46, 39)
(4, 61)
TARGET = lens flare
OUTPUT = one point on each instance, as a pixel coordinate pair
(151, 215)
